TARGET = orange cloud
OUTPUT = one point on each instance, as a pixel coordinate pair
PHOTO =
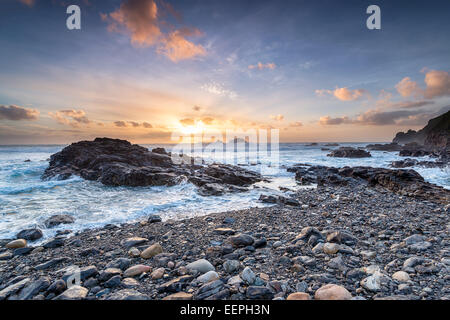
(438, 84)
(343, 94)
(70, 117)
(408, 88)
(187, 122)
(16, 113)
(278, 117)
(141, 20)
(262, 66)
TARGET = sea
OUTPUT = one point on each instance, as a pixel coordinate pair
(26, 201)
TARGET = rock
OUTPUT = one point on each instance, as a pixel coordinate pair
(224, 231)
(248, 276)
(157, 274)
(330, 248)
(235, 281)
(209, 289)
(127, 294)
(22, 251)
(73, 293)
(152, 251)
(154, 219)
(231, 266)
(373, 282)
(119, 263)
(57, 287)
(116, 162)
(130, 283)
(241, 240)
(349, 152)
(341, 237)
(19, 243)
(259, 243)
(108, 273)
(54, 243)
(332, 292)
(5, 256)
(208, 277)
(51, 263)
(33, 288)
(12, 289)
(401, 276)
(176, 284)
(420, 246)
(201, 266)
(113, 282)
(134, 252)
(84, 273)
(30, 234)
(384, 147)
(134, 241)
(299, 296)
(416, 238)
(259, 293)
(179, 296)
(58, 219)
(136, 270)
(412, 262)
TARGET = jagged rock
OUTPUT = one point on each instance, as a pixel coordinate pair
(116, 162)
(58, 219)
(349, 152)
(385, 147)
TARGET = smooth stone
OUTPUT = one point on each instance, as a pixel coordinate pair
(15, 244)
(332, 292)
(201, 266)
(12, 289)
(373, 282)
(119, 263)
(299, 296)
(154, 219)
(330, 248)
(224, 231)
(401, 276)
(241, 240)
(108, 273)
(151, 251)
(235, 281)
(208, 277)
(415, 238)
(136, 270)
(157, 274)
(179, 296)
(134, 252)
(130, 283)
(73, 293)
(113, 282)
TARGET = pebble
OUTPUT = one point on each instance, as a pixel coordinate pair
(134, 241)
(201, 266)
(30, 234)
(15, 244)
(231, 266)
(241, 240)
(136, 270)
(332, 292)
(208, 276)
(179, 296)
(330, 248)
(299, 296)
(130, 283)
(73, 293)
(152, 251)
(248, 276)
(157, 274)
(401, 276)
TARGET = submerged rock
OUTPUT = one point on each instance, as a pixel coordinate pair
(349, 152)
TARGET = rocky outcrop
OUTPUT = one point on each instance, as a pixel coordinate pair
(404, 182)
(415, 163)
(116, 162)
(384, 147)
(349, 152)
(435, 135)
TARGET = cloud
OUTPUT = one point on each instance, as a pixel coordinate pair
(343, 94)
(218, 89)
(197, 108)
(296, 124)
(438, 84)
(278, 117)
(147, 125)
(378, 117)
(121, 124)
(261, 66)
(70, 117)
(327, 120)
(407, 88)
(17, 113)
(29, 3)
(187, 122)
(141, 20)
(207, 120)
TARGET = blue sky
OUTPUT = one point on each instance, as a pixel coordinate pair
(309, 68)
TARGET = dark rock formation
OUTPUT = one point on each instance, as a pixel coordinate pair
(349, 152)
(404, 182)
(435, 135)
(384, 147)
(413, 162)
(116, 162)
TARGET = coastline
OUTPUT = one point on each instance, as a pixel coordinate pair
(389, 247)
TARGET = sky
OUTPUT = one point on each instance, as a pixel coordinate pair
(143, 69)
